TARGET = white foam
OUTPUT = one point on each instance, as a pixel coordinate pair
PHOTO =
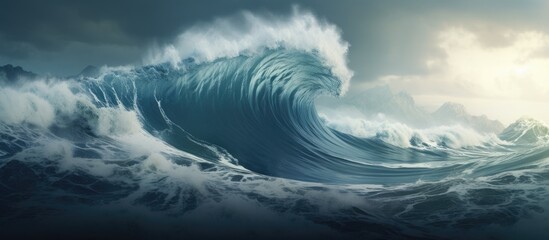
(249, 34)
(44, 103)
(116, 121)
(26, 107)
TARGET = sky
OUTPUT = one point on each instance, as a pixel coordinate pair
(491, 56)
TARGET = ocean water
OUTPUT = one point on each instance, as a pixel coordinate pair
(218, 135)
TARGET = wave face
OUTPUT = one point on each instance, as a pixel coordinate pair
(227, 136)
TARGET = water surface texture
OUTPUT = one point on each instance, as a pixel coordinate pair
(221, 140)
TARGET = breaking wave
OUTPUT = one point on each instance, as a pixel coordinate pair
(224, 120)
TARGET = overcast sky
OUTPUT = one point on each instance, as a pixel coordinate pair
(481, 53)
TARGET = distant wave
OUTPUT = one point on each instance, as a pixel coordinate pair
(526, 131)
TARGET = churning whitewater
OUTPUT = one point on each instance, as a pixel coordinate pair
(220, 130)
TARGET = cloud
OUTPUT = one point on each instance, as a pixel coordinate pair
(386, 37)
(516, 71)
(57, 36)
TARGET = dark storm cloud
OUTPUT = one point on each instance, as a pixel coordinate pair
(51, 24)
(386, 37)
(32, 31)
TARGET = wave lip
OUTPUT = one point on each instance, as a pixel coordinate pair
(249, 34)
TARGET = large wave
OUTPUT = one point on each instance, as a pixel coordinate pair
(260, 109)
(226, 118)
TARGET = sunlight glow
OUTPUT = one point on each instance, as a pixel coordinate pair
(516, 72)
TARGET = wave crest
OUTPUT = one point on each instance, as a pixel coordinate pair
(249, 34)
